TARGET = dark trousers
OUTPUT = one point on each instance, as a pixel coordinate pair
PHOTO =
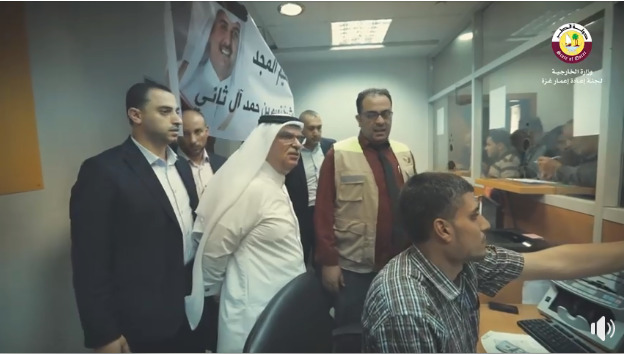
(308, 238)
(208, 326)
(187, 341)
(348, 307)
(349, 302)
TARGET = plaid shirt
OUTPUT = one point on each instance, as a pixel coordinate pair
(412, 307)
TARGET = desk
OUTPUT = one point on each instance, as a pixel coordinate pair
(504, 322)
(463, 173)
(526, 188)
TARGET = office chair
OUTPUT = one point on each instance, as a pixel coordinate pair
(297, 320)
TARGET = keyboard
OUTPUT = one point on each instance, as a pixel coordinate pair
(553, 337)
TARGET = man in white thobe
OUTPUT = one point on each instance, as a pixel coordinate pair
(250, 245)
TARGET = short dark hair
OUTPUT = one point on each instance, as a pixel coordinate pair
(428, 196)
(500, 136)
(192, 109)
(370, 92)
(520, 140)
(309, 112)
(137, 95)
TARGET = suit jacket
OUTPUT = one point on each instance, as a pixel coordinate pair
(297, 183)
(216, 161)
(127, 249)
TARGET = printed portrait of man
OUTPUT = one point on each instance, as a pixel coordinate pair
(208, 40)
(223, 44)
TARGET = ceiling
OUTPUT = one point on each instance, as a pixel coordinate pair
(417, 28)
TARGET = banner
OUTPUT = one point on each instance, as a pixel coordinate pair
(225, 69)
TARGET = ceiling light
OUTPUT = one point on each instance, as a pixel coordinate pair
(365, 46)
(290, 9)
(359, 32)
(465, 36)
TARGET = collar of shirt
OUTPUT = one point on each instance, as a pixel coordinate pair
(434, 274)
(364, 143)
(184, 156)
(316, 148)
(152, 158)
(270, 172)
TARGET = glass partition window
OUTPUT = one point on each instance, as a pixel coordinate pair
(454, 62)
(453, 126)
(621, 186)
(506, 25)
(541, 116)
(440, 134)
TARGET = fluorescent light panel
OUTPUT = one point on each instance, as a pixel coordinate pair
(363, 46)
(359, 32)
(465, 36)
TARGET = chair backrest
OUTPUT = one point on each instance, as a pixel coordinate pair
(296, 320)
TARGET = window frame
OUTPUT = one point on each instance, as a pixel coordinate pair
(609, 173)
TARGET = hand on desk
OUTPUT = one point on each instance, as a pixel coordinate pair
(548, 167)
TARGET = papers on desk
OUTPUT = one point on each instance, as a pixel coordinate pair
(531, 181)
(499, 342)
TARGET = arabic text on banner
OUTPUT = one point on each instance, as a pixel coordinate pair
(225, 68)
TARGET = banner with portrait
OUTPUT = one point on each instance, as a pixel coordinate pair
(225, 69)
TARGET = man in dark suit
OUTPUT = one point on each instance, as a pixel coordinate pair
(204, 164)
(131, 212)
(302, 181)
(192, 147)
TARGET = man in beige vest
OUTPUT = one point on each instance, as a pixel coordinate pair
(357, 232)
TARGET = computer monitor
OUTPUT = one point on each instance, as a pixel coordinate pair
(492, 212)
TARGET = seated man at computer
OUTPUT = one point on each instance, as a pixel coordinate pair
(426, 299)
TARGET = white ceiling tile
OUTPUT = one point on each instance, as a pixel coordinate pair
(411, 22)
(302, 35)
(332, 55)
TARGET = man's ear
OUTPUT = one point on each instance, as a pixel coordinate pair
(357, 118)
(134, 115)
(441, 229)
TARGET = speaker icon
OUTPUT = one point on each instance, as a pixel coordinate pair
(598, 328)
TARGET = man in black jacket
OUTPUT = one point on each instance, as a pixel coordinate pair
(192, 148)
(302, 181)
(132, 213)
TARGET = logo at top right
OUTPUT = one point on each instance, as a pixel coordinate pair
(572, 43)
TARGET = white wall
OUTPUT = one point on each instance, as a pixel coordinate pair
(84, 56)
(331, 89)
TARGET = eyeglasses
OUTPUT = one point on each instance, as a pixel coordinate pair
(387, 114)
(290, 137)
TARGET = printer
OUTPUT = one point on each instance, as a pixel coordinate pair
(591, 309)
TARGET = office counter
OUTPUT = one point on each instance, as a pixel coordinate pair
(463, 173)
(504, 322)
(528, 188)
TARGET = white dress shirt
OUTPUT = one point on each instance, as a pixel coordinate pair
(176, 192)
(312, 161)
(202, 172)
(254, 251)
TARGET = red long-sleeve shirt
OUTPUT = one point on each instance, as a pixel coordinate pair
(326, 253)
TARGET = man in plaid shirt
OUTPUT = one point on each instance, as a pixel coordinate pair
(425, 299)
